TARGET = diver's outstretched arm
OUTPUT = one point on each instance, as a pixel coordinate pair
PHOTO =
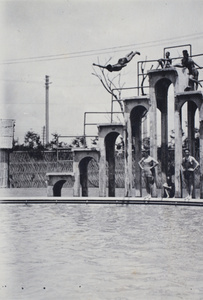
(110, 68)
(104, 67)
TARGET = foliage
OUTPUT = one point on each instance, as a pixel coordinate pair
(78, 142)
(110, 85)
(32, 140)
(31, 143)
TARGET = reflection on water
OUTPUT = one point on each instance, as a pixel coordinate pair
(100, 252)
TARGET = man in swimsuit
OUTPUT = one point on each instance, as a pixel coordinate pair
(188, 62)
(189, 165)
(147, 164)
(122, 62)
(165, 62)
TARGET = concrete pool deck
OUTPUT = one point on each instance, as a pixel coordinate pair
(101, 200)
(38, 196)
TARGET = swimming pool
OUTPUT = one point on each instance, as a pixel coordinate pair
(100, 252)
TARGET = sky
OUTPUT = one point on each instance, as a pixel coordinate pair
(62, 39)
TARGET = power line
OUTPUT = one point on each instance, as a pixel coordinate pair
(98, 51)
(20, 81)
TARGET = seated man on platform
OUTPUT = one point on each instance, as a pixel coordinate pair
(165, 62)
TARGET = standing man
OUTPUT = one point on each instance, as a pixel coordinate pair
(188, 62)
(189, 165)
(147, 164)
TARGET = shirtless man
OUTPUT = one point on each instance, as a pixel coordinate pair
(147, 164)
(165, 62)
(189, 165)
(188, 62)
(122, 62)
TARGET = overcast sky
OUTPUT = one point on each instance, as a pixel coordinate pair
(63, 38)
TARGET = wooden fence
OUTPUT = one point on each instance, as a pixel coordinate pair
(27, 169)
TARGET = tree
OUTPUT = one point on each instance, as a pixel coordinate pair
(32, 140)
(109, 85)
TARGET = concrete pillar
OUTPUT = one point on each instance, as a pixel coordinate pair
(55, 182)
(76, 186)
(201, 157)
(102, 168)
(128, 156)
(111, 163)
(135, 109)
(153, 132)
(4, 168)
(191, 134)
(108, 134)
(49, 191)
(84, 176)
(164, 144)
(178, 151)
(191, 126)
(81, 159)
(137, 157)
(145, 130)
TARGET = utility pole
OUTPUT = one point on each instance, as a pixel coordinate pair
(47, 108)
(43, 135)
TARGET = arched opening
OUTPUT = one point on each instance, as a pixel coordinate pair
(163, 119)
(83, 169)
(57, 188)
(190, 125)
(110, 140)
(93, 177)
(137, 116)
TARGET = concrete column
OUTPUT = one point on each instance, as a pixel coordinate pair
(76, 171)
(137, 157)
(164, 145)
(191, 134)
(191, 125)
(128, 156)
(144, 130)
(102, 168)
(111, 163)
(178, 151)
(49, 191)
(153, 132)
(4, 168)
(201, 157)
(153, 123)
(84, 177)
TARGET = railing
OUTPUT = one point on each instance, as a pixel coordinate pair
(96, 123)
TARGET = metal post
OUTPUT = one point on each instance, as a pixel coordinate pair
(47, 107)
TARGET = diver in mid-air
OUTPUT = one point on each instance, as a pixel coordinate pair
(122, 62)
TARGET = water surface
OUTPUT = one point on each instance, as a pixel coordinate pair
(92, 252)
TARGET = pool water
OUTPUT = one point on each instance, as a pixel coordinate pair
(92, 252)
